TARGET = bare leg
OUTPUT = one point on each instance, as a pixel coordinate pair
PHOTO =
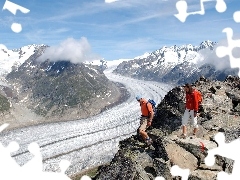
(195, 130)
(143, 134)
(184, 129)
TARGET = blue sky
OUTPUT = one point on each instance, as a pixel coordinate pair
(122, 29)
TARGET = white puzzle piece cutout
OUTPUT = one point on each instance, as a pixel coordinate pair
(33, 169)
(222, 51)
(182, 7)
(236, 16)
(12, 7)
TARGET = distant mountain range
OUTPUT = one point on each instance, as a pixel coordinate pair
(62, 90)
(176, 64)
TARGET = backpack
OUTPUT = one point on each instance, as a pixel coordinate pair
(152, 102)
(199, 96)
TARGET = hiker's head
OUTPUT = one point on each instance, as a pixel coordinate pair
(138, 97)
(188, 88)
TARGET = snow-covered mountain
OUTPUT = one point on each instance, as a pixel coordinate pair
(15, 57)
(12, 59)
(53, 91)
(36, 82)
(178, 54)
(176, 64)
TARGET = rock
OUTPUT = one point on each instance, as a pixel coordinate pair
(120, 168)
(215, 167)
(203, 175)
(168, 149)
(163, 168)
(181, 157)
(197, 147)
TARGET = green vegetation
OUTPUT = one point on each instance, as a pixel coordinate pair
(40, 111)
(4, 103)
(58, 86)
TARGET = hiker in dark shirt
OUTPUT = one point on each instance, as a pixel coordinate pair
(146, 118)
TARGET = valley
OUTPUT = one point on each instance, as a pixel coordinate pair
(89, 142)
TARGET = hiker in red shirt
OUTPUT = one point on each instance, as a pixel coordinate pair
(191, 110)
(146, 119)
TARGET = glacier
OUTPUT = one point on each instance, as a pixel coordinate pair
(90, 142)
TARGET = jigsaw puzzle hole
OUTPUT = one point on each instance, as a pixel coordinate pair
(236, 52)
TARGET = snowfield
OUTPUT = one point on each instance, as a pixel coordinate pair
(86, 143)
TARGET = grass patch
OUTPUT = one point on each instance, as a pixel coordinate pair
(4, 103)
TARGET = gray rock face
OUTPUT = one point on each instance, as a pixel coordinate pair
(59, 91)
(216, 115)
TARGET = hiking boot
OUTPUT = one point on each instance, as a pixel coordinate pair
(149, 141)
(193, 136)
(183, 136)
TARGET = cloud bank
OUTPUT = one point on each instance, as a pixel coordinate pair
(210, 57)
(75, 51)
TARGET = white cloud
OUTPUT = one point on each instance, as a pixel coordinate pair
(110, 1)
(210, 57)
(72, 50)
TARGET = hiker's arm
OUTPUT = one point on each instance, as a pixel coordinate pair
(149, 122)
(150, 117)
(195, 103)
(151, 112)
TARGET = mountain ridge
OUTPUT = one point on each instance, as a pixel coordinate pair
(57, 91)
(174, 64)
(177, 64)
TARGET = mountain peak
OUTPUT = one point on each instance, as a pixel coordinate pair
(15, 57)
(207, 44)
(32, 46)
(145, 55)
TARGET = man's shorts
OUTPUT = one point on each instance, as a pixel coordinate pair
(189, 114)
(143, 123)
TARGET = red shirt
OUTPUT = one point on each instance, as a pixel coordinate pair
(146, 108)
(192, 101)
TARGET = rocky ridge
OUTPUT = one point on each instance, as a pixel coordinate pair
(219, 113)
